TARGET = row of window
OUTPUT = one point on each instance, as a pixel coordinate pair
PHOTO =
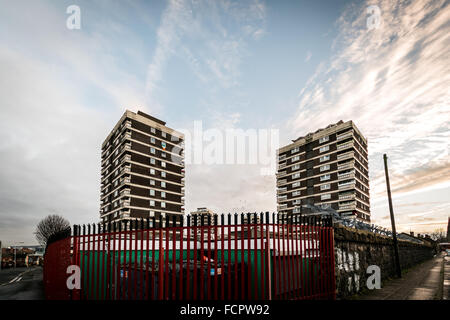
(152, 204)
(324, 177)
(152, 183)
(324, 158)
(321, 140)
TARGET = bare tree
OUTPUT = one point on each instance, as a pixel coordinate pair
(50, 226)
(438, 235)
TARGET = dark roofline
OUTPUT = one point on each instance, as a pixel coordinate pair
(151, 118)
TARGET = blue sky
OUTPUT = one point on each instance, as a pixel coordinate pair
(295, 66)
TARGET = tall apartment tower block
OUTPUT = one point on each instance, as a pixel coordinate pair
(328, 169)
(142, 170)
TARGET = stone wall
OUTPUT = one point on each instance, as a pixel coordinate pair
(355, 250)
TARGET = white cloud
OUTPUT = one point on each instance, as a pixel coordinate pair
(393, 82)
(199, 32)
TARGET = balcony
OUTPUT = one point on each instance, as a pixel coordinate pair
(126, 146)
(125, 180)
(127, 158)
(126, 169)
(347, 165)
(124, 203)
(126, 136)
(344, 135)
(105, 162)
(345, 145)
(281, 182)
(126, 124)
(125, 192)
(282, 198)
(346, 155)
(348, 175)
(347, 196)
(345, 186)
(281, 190)
(281, 174)
(282, 165)
(347, 206)
(125, 213)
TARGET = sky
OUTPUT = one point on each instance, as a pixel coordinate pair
(290, 66)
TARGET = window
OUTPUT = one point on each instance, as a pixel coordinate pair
(152, 171)
(325, 186)
(325, 196)
(163, 174)
(152, 140)
(164, 134)
(324, 139)
(294, 150)
(163, 204)
(152, 161)
(325, 205)
(296, 193)
(163, 184)
(163, 164)
(325, 168)
(152, 182)
(152, 150)
(296, 210)
(296, 167)
(324, 158)
(152, 130)
(325, 177)
(163, 194)
(296, 184)
(298, 201)
(323, 149)
(163, 154)
(116, 193)
(152, 192)
(296, 175)
(152, 203)
(296, 158)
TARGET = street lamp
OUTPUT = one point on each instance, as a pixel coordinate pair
(15, 251)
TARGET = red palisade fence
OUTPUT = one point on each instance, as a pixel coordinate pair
(233, 257)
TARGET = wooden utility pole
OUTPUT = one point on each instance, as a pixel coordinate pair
(394, 232)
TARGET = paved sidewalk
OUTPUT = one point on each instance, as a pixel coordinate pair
(421, 282)
(446, 286)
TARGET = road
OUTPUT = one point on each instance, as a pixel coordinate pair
(21, 284)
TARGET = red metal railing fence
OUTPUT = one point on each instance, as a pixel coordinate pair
(227, 257)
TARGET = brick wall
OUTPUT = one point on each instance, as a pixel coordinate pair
(355, 250)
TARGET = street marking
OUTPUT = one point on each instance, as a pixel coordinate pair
(16, 279)
(13, 280)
